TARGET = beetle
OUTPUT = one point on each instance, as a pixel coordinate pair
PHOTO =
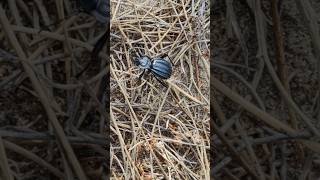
(158, 66)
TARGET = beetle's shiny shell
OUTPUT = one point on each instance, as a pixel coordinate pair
(161, 68)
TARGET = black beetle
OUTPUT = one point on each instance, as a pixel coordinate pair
(158, 66)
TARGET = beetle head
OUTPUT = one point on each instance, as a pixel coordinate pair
(143, 62)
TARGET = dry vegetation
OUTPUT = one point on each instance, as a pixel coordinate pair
(52, 124)
(266, 82)
(160, 132)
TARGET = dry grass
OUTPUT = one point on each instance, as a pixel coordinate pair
(160, 132)
(51, 124)
(266, 76)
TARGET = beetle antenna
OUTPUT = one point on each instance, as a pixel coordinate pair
(132, 49)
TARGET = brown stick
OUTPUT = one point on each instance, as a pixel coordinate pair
(282, 67)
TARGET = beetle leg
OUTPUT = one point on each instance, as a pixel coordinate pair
(160, 81)
(140, 76)
(164, 55)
